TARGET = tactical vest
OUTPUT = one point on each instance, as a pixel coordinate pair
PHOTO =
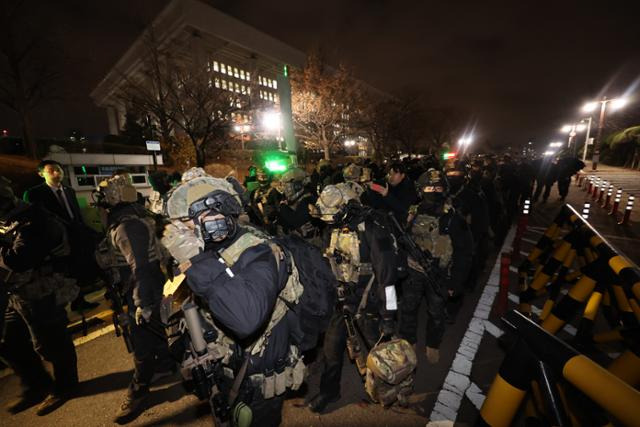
(426, 234)
(292, 374)
(343, 253)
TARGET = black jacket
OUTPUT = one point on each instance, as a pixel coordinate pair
(35, 238)
(456, 227)
(398, 200)
(136, 243)
(43, 196)
(242, 302)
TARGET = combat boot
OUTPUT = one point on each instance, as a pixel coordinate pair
(132, 407)
(319, 403)
(28, 399)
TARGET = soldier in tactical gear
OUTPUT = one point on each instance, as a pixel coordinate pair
(294, 215)
(440, 230)
(33, 323)
(244, 279)
(264, 202)
(134, 266)
(362, 254)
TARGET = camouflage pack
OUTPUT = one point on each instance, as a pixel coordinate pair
(391, 368)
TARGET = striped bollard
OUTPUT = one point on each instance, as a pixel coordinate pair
(627, 211)
(585, 210)
(603, 188)
(616, 203)
(589, 185)
(605, 205)
(596, 188)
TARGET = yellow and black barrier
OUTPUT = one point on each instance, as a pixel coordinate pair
(535, 345)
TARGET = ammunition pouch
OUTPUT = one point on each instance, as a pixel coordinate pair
(276, 382)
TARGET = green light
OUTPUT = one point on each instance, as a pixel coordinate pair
(286, 70)
(277, 165)
(84, 169)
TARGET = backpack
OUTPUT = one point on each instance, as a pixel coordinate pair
(318, 300)
(310, 292)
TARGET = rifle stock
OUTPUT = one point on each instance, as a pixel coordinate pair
(424, 258)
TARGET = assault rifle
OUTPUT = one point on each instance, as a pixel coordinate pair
(357, 346)
(121, 319)
(424, 258)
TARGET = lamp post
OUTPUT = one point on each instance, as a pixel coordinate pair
(573, 130)
(616, 103)
(586, 139)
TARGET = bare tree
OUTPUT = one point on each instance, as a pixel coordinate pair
(377, 122)
(409, 122)
(26, 79)
(442, 125)
(201, 110)
(182, 95)
(325, 102)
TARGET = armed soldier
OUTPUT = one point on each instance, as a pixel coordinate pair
(134, 262)
(33, 256)
(440, 231)
(244, 280)
(294, 215)
(264, 202)
(362, 254)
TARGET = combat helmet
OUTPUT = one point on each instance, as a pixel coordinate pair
(332, 202)
(200, 193)
(116, 190)
(292, 183)
(433, 189)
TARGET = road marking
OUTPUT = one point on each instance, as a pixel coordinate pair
(475, 395)
(457, 381)
(93, 335)
(493, 329)
(533, 242)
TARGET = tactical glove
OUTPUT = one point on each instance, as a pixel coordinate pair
(182, 242)
(143, 315)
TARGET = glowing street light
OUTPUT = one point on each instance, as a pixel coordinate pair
(272, 121)
(616, 103)
(556, 144)
(349, 143)
(548, 153)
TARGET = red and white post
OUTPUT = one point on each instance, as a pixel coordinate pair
(616, 203)
(627, 211)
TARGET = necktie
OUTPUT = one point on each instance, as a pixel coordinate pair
(64, 205)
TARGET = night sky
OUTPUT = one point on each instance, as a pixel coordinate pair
(518, 69)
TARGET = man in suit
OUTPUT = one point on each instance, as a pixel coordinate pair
(61, 200)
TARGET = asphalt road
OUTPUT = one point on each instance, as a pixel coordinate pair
(106, 368)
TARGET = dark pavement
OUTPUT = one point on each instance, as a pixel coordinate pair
(105, 367)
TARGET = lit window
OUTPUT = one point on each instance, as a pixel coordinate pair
(242, 74)
(208, 66)
(216, 66)
(243, 89)
(248, 91)
(237, 87)
(275, 84)
(238, 104)
(217, 82)
(270, 96)
(275, 98)
(236, 74)
(224, 84)
(223, 68)
(248, 76)
(261, 94)
(210, 83)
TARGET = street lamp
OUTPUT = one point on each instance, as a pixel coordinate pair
(556, 144)
(464, 142)
(572, 130)
(616, 103)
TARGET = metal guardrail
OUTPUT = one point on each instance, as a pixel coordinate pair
(605, 281)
